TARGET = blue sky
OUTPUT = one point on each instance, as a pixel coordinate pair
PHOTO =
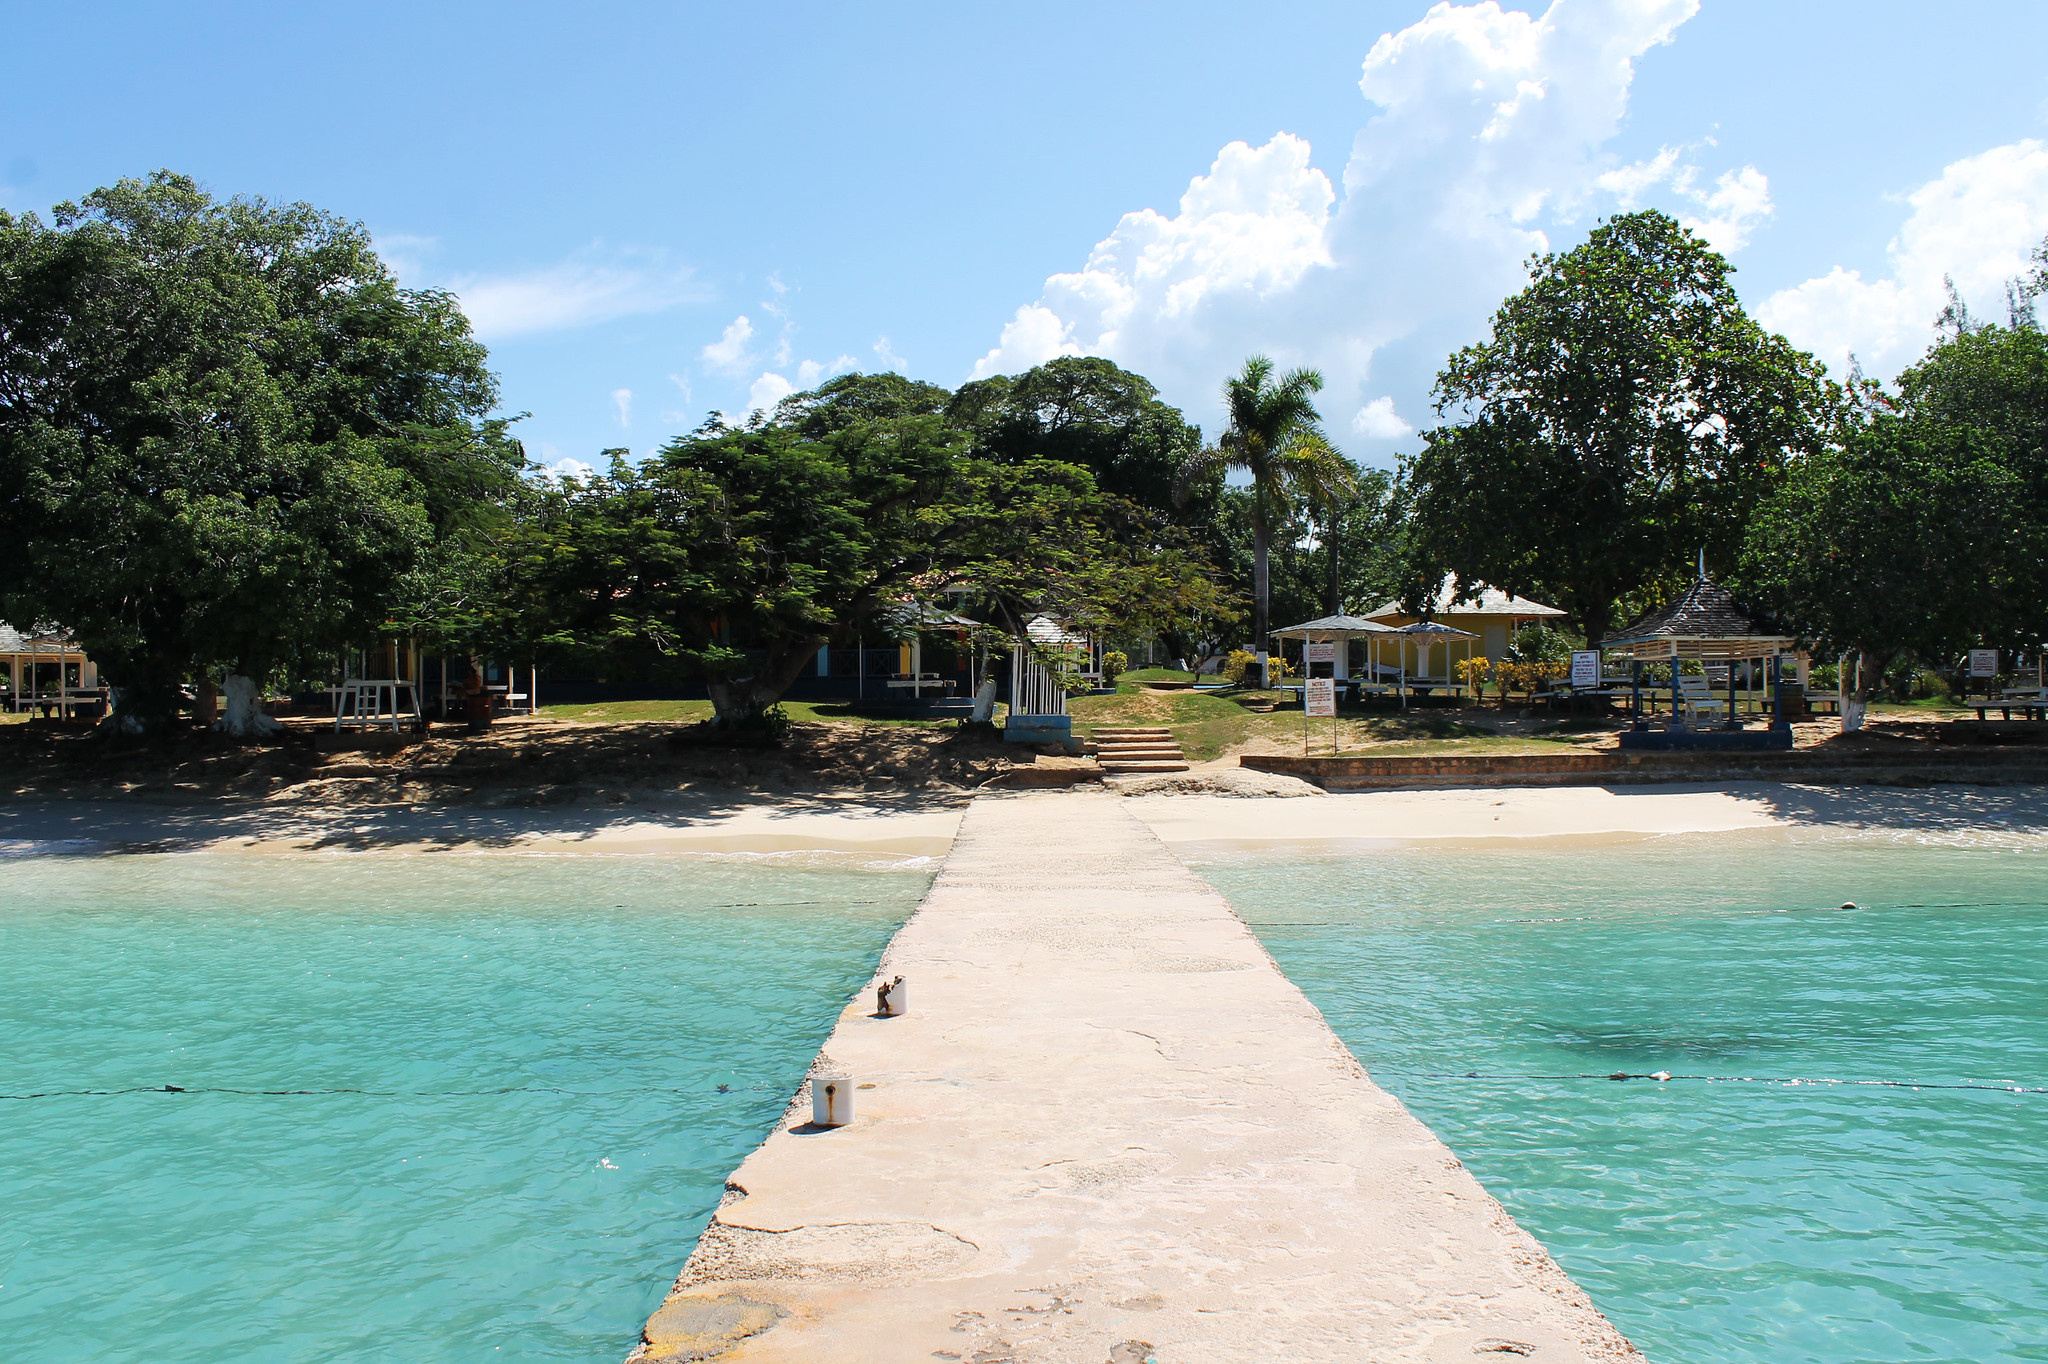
(954, 189)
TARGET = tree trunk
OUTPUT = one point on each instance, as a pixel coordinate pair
(1259, 588)
(1336, 578)
(242, 716)
(742, 702)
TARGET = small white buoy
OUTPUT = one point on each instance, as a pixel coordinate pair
(892, 998)
(831, 1100)
(1850, 905)
(1661, 1075)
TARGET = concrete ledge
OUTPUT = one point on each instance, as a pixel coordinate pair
(1608, 768)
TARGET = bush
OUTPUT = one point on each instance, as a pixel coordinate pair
(1242, 667)
(1113, 665)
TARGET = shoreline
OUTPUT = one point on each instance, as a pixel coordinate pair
(923, 824)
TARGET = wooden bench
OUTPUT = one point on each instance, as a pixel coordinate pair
(1695, 697)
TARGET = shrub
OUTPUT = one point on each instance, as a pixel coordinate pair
(1113, 664)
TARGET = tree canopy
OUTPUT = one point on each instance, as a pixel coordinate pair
(736, 553)
(1624, 414)
(227, 435)
(1276, 436)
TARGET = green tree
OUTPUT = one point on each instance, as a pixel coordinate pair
(736, 554)
(1088, 412)
(1625, 414)
(1888, 546)
(1276, 436)
(227, 436)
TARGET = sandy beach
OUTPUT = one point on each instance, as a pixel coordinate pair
(915, 827)
(923, 824)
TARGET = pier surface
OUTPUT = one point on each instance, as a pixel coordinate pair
(1109, 1131)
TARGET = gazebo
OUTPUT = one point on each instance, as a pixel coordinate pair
(1335, 630)
(1426, 634)
(46, 669)
(1707, 624)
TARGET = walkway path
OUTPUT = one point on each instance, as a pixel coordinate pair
(1108, 1131)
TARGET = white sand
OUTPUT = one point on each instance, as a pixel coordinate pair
(920, 828)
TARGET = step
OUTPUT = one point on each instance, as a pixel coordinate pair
(1138, 751)
(1149, 765)
(1130, 732)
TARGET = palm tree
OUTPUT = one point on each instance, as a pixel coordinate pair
(1275, 435)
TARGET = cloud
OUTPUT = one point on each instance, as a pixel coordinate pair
(886, 353)
(1484, 132)
(1976, 223)
(1724, 214)
(730, 352)
(1377, 420)
(767, 391)
(682, 383)
(590, 288)
(622, 403)
(811, 373)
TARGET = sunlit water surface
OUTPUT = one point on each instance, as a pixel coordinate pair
(535, 1073)
(1721, 1220)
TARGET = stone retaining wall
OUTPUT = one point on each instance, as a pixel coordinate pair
(1609, 768)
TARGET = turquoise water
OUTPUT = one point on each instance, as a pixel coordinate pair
(1723, 1220)
(540, 1045)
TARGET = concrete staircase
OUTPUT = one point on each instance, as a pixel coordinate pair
(1135, 749)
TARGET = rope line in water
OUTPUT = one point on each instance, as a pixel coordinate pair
(388, 1093)
(1788, 1081)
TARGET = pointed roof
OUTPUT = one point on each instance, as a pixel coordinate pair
(1477, 599)
(1706, 620)
(1325, 628)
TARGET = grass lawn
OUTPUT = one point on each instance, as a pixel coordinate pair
(1207, 725)
(632, 712)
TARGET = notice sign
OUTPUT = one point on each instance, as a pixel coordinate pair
(1983, 662)
(1325, 652)
(1321, 697)
(1585, 669)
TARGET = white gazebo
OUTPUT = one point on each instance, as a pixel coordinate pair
(72, 679)
(1339, 630)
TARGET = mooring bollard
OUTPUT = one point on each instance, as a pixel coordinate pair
(892, 998)
(831, 1100)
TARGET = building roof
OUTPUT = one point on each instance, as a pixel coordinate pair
(1325, 628)
(1481, 601)
(13, 641)
(1046, 632)
(1435, 627)
(1706, 617)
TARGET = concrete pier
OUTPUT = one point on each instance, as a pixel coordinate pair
(1108, 1131)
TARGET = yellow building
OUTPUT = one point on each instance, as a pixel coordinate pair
(1487, 612)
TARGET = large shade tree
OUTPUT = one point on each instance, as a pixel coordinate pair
(1923, 531)
(1275, 435)
(227, 436)
(1624, 415)
(737, 553)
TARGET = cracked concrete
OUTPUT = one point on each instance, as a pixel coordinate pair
(1074, 1154)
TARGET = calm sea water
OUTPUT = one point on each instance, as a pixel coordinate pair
(532, 1075)
(1726, 1219)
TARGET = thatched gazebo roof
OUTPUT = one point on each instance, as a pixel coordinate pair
(1706, 623)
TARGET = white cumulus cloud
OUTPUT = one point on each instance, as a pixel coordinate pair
(1724, 213)
(1484, 133)
(730, 351)
(768, 390)
(622, 403)
(1976, 223)
(1378, 420)
(811, 373)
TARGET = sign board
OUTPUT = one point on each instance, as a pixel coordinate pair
(1983, 662)
(1585, 669)
(1323, 652)
(1321, 697)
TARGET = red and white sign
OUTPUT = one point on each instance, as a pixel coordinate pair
(1983, 662)
(1323, 652)
(1320, 698)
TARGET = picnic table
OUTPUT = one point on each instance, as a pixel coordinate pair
(2030, 702)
